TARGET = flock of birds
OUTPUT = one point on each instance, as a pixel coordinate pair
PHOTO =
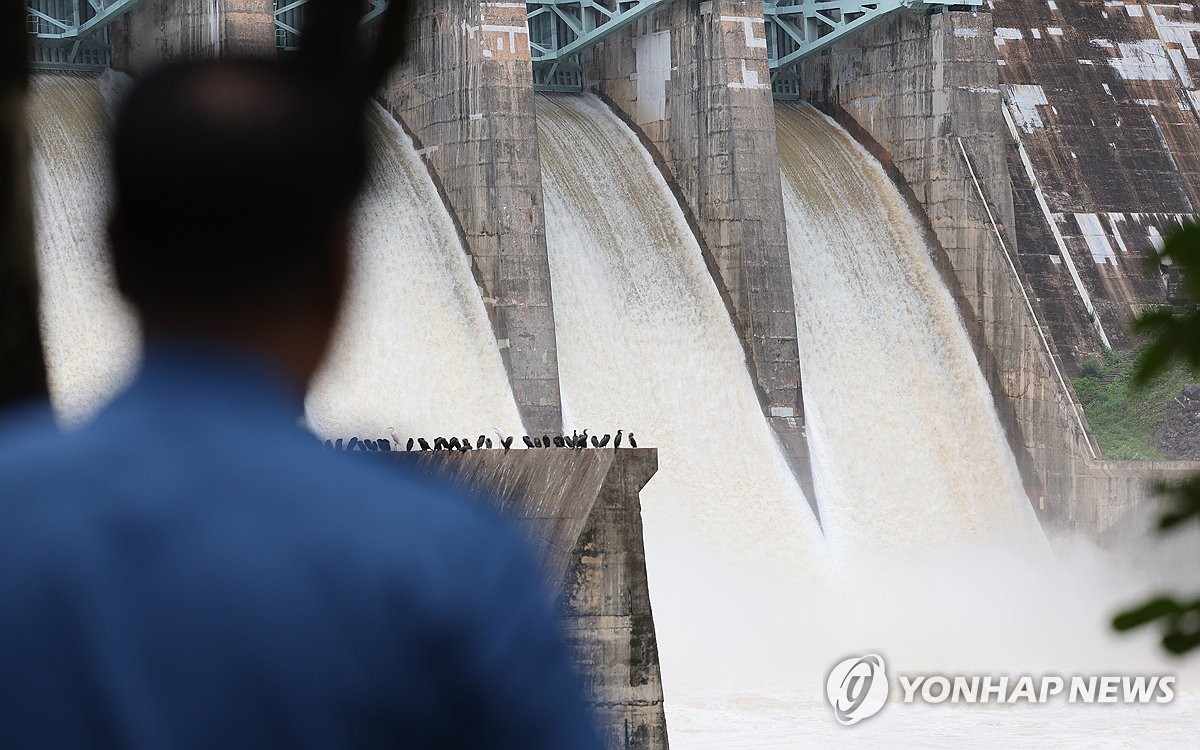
(576, 440)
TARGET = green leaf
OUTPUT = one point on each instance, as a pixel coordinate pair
(1149, 611)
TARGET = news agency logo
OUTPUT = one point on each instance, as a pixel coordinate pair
(857, 688)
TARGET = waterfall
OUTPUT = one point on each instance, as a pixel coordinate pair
(907, 450)
(646, 344)
(414, 352)
(90, 334)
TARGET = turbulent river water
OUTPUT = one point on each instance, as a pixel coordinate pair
(930, 553)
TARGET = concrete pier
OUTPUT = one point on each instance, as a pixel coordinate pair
(582, 510)
(161, 30)
(466, 96)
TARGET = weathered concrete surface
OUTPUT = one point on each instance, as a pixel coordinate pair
(161, 30)
(581, 508)
(466, 96)
(693, 80)
(23, 374)
(1103, 96)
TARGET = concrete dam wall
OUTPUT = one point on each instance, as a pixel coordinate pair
(667, 251)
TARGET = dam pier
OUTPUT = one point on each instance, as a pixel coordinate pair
(836, 263)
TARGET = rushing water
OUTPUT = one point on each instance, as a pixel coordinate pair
(415, 352)
(931, 557)
(90, 335)
(645, 343)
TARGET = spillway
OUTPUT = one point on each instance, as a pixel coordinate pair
(906, 447)
(646, 344)
(90, 335)
(415, 353)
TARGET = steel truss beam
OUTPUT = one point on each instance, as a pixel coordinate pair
(799, 28)
(73, 34)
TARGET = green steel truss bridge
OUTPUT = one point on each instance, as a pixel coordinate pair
(73, 34)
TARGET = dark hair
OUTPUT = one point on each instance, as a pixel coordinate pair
(230, 178)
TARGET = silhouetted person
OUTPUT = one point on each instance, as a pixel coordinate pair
(191, 570)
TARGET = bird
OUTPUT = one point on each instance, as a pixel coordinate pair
(453, 443)
(367, 445)
(545, 441)
(481, 441)
(528, 441)
(632, 442)
(352, 444)
(423, 443)
(582, 442)
(617, 442)
(464, 446)
(328, 444)
(439, 443)
(604, 440)
(559, 442)
(595, 442)
(338, 445)
(488, 443)
(408, 446)
(507, 442)
(383, 445)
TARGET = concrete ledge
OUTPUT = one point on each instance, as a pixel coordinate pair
(582, 510)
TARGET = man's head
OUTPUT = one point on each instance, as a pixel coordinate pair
(235, 182)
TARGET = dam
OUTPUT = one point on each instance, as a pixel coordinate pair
(836, 268)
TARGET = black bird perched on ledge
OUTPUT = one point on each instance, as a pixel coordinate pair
(617, 442)
(408, 446)
(481, 441)
(545, 441)
(507, 443)
(604, 440)
(423, 443)
(595, 442)
(453, 443)
(559, 441)
(632, 442)
(328, 444)
(384, 445)
(338, 445)
(528, 441)
(582, 441)
(352, 444)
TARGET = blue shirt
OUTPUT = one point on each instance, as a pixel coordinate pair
(192, 570)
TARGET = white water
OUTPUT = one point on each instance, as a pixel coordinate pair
(934, 556)
(90, 335)
(907, 451)
(645, 343)
(415, 352)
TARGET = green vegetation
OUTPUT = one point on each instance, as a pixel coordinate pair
(1122, 414)
(1174, 343)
